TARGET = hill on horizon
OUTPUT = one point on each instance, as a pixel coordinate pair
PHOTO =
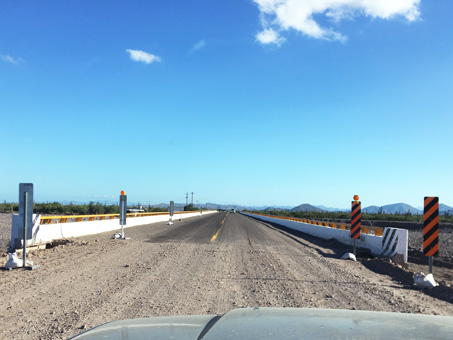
(306, 207)
(330, 209)
(400, 208)
(443, 209)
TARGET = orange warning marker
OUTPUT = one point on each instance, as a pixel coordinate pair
(431, 226)
(356, 218)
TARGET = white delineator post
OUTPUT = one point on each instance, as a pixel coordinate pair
(123, 215)
(172, 209)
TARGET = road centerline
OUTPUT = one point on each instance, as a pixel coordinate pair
(218, 229)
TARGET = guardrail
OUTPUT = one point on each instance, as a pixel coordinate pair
(376, 231)
(102, 217)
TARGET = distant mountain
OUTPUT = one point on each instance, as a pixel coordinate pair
(372, 209)
(164, 205)
(305, 207)
(264, 207)
(206, 206)
(275, 209)
(329, 208)
(106, 202)
(284, 207)
(400, 208)
(443, 209)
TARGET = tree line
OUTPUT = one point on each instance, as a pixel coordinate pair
(191, 207)
(339, 215)
(92, 208)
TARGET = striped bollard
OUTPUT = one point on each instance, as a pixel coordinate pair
(356, 219)
(431, 229)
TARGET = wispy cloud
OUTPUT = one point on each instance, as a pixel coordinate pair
(198, 45)
(269, 36)
(142, 56)
(7, 58)
(278, 16)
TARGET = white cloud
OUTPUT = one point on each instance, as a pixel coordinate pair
(269, 36)
(278, 16)
(198, 45)
(9, 59)
(142, 56)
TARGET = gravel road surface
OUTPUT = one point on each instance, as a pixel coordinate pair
(5, 230)
(177, 270)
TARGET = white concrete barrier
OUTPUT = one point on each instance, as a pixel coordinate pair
(15, 228)
(44, 233)
(393, 242)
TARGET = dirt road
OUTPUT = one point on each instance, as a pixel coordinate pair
(178, 270)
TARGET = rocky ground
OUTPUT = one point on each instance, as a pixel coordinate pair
(5, 230)
(88, 281)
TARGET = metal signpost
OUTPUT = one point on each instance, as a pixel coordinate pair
(26, 218)
(123, 212)
(172, 209)
(356, 219)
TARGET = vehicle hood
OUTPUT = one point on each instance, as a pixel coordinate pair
(279, 323)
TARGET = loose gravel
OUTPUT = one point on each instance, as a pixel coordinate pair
(88, 281)
(5, 230)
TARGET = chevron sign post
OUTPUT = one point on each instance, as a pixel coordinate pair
(356, 220)
(431, 229)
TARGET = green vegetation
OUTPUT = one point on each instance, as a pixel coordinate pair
(57, 208)
(313, 215)
(190, 207)
(8, 207)
(154, 209)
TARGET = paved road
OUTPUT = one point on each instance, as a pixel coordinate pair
(193, 230)
(239, 229)
(178, 270)
(227, 228)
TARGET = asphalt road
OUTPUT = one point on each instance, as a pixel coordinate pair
(193, 230)
(227, 228)
(182, 269)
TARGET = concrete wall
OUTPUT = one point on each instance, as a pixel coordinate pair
(15, 230)
(374, 243)
(44, 233)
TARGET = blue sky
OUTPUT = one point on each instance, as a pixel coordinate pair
(259, 102)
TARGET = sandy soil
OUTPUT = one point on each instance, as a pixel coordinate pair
(88, 281)
(5, 230)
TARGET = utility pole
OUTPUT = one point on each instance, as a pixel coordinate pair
(192, 197)
(187, 198)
